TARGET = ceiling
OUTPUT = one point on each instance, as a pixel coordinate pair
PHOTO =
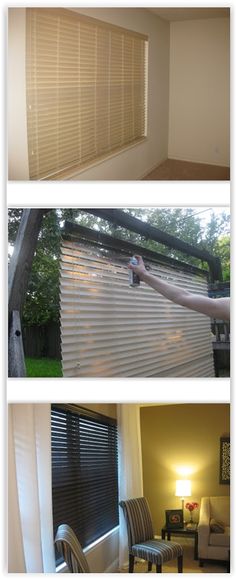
(174, 14)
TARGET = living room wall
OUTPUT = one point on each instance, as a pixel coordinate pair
(200, 91)
(181, 435)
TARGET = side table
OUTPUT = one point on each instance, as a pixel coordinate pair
(184, 531)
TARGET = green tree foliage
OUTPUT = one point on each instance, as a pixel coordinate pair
(42, 301)
(222, 249)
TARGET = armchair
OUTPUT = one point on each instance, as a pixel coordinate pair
(214, 542)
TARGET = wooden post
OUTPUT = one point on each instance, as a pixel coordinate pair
(18, 277)
(16, 361)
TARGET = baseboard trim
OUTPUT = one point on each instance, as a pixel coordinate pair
(152, 169)
(113, 568)
(198, 162)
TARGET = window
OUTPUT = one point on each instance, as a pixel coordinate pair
(86, 90)
(84, 472)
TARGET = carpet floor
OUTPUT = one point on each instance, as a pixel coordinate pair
(189, 565)
(172, 170)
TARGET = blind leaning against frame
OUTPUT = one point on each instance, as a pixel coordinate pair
(84, 471)
(86, 90)
(111, 330)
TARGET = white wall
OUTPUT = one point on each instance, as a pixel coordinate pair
(104, 557)
(16, 561)
(199, 91)
(132, 163)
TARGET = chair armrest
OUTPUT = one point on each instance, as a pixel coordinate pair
(204, 528)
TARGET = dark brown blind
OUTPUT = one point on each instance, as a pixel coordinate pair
(84, 472)
(86, 90)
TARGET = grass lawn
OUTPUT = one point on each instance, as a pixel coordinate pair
(43, 368)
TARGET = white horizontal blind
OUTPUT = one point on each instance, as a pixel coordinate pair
(110, 329)
(86, 90)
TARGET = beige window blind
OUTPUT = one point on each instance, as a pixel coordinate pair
(86, 90)
(111, 330)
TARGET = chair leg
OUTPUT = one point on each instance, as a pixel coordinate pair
(149, 566)
(131, 563)
(158, 569)
(180, 564)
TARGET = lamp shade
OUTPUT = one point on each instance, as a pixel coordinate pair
(183, 488)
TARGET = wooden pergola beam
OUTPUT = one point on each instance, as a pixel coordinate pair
(123, 219)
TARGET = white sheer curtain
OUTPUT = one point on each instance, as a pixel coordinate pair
(30, 528)
(130, 466)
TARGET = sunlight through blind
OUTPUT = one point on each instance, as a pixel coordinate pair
(109, 329)
(86, 90)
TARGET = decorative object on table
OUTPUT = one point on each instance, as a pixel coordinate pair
(174, 519)
(183, 489)
(191, 526)
(191, 507)
(224, 460)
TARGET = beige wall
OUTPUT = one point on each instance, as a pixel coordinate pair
(132, 163)
(199, 91)
(181, 435)
(16, 99)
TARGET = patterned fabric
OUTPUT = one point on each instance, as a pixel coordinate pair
(141, 536)
(138, 520)
(157, 552)
(71, 550)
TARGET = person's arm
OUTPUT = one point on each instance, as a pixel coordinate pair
(214, 308)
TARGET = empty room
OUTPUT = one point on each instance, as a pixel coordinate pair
(119, 93)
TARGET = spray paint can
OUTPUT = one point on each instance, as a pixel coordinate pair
(134, 280)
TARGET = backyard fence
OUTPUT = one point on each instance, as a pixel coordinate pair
(42, 341)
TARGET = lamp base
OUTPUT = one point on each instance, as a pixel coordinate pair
(182, 500)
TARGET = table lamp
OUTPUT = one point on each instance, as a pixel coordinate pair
(183, 489)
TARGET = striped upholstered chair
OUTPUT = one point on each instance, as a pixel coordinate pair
(71, 550)
(141, 537)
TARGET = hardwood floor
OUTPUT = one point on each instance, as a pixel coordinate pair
(172, 170)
